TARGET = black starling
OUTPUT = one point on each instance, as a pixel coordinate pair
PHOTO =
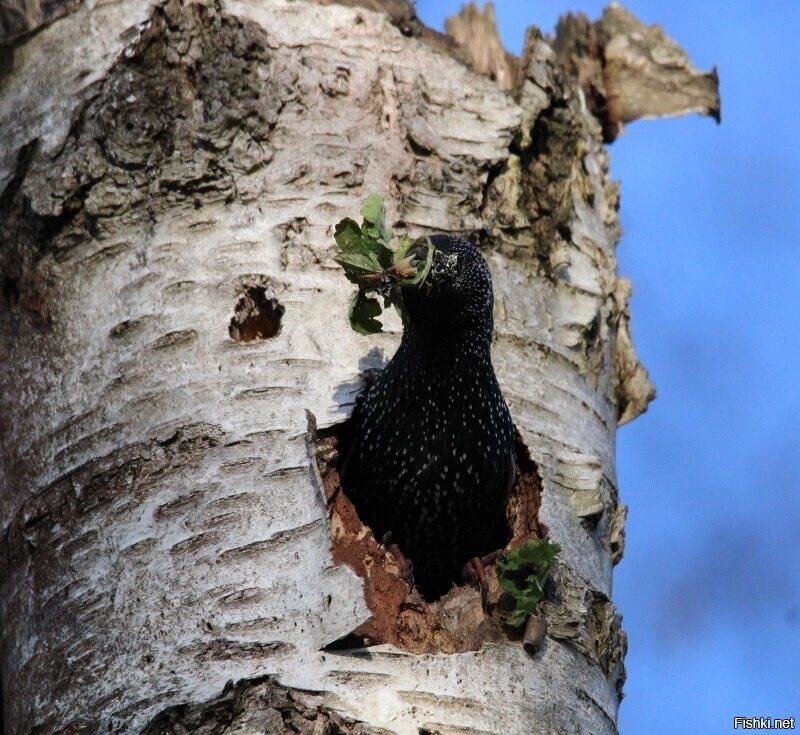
(432, 455)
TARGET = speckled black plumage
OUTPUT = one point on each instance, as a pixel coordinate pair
(432, 460)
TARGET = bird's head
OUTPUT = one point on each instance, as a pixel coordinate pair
(456, 295)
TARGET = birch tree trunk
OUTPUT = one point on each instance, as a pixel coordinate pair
(175, 330)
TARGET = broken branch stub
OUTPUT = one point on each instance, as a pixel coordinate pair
(631, 71)
(475, 32)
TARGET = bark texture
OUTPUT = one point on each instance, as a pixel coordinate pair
(171, 314)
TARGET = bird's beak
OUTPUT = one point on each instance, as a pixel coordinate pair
(403, 270)
(419, 252)
(407, 267)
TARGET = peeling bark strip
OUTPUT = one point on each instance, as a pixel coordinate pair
(170, 309)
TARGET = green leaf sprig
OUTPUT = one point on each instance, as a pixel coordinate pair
(522, 573)
(368, 260)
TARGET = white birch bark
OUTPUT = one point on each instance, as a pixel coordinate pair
(164, 526)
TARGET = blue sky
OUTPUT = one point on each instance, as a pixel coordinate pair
(710, 583)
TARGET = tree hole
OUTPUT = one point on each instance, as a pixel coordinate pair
(460, 620)
(257, 315)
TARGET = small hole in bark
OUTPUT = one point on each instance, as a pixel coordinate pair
(460, 620)
(257, 315)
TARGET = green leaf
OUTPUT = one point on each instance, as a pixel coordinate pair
(375, 231)
(376, 263)
(516, 618)
(535, 586)
(374, 213)
(402, 248)
(364, 250)
(534, 553)
(348, 236)
(522, 573)
(373, 209)
(510, 586)
(355, 265)
(363, 311)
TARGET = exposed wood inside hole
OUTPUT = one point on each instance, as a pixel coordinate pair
(257, 315)
(459, 621)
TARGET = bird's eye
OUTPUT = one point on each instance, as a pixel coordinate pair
(444, 265)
